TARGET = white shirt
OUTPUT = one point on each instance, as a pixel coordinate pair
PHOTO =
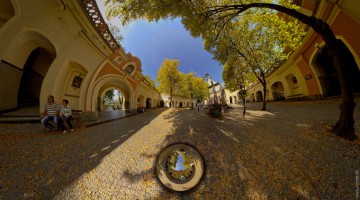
(65, 111)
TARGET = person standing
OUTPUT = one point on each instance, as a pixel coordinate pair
(51, 112)
(66, 116)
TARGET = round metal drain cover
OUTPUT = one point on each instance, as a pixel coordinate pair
(180, 167)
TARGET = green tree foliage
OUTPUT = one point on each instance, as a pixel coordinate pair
(169, 78)
(236, 71)
(201, 90)
(194, 87)
(109, 95)
(261, 40)
(236, 77)
(152, 82)
(115, 31)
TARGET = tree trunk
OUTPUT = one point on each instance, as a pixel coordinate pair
(171, 98)
(344, 127)
(264, 100)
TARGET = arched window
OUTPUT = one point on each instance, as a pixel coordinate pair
(129, 69)
(6, 11)
(117, 60)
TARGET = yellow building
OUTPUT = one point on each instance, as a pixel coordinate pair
(64, 48)
(309, 72)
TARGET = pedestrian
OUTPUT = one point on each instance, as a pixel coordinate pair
(226, 108)
(140, 109)
(65, 116)
(51, 112)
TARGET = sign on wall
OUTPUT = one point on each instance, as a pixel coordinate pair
(76, 82)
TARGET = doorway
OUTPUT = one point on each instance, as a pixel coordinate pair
(34, 72)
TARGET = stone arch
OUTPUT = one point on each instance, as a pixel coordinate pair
(140, 100)
(259, 96)
(252, 97)
(277, 90)
(108, 82)
(235, 100)
(231, 100)
(25, 64)
(324, 70)
(162, 103)
(351, 49)
(148, 103)
(7, 11)
(24, 43)
(100, 100)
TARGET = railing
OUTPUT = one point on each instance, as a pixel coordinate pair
(94, 15)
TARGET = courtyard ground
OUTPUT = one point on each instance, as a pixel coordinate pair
(282, 153)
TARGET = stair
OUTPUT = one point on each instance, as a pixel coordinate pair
(19, 119)
(29, 114)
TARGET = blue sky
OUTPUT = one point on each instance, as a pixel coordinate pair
(153, 42)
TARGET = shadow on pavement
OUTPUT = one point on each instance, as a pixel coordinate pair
(274, 154)
(38, 166)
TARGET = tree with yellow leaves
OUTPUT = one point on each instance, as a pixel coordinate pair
(194, 87)
(258, 43)
(169, 78)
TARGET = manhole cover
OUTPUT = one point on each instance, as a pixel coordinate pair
(180, 167)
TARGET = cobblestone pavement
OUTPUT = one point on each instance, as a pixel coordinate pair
(282, 153)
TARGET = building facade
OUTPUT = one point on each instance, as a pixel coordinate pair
(178, 101)
(64, 48)
(219, 94)
(309, 72)
(216, 91)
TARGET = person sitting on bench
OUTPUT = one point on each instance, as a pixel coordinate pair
(140, 109)
(65, 116)
(51, 112)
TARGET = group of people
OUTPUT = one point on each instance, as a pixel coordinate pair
(140, 109)
(59, 115)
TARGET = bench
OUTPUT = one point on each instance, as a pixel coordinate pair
(295, 97)
(76, 116)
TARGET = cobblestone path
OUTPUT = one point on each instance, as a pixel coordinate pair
(282, 153)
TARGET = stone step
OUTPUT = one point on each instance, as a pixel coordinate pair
(22, 119)
(19, 115)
